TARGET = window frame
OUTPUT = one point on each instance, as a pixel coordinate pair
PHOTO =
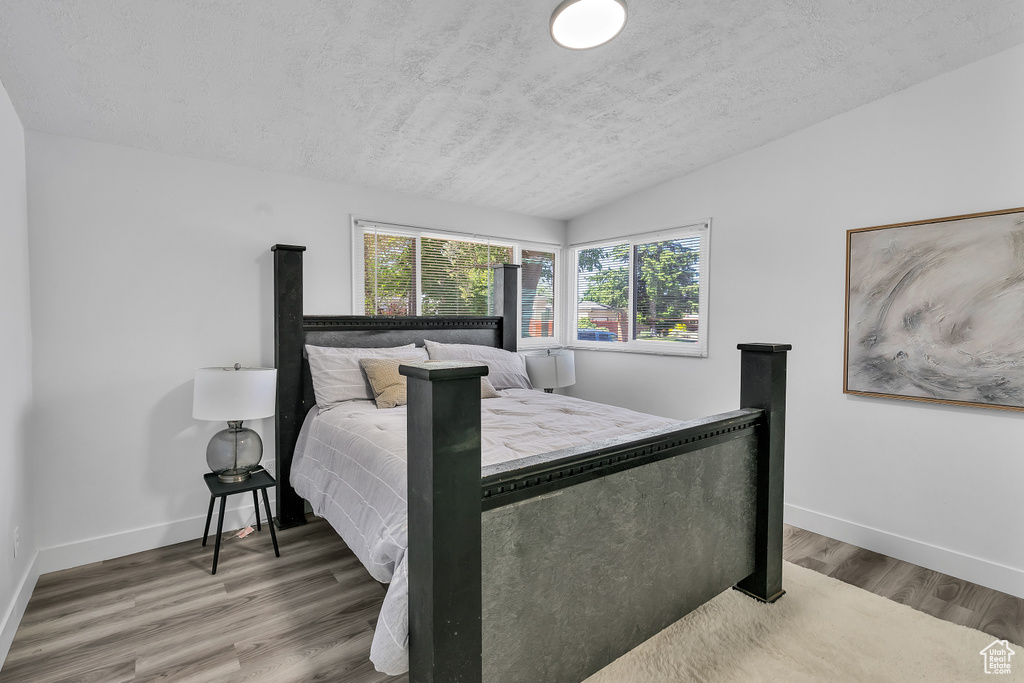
(668, 348)
(360, 225)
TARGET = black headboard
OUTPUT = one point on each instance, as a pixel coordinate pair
(293, 330)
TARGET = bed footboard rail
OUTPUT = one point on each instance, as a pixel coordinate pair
(669, 519)
(511, 482)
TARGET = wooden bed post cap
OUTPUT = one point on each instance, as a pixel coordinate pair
(287, 247)
(434, 371)
(765, 348)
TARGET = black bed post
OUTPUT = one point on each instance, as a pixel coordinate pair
(288, 361)
(443, 461)
(763, 386)
(506, 303)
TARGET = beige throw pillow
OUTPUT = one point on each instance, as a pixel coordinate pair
(389, 387)
(487, 389)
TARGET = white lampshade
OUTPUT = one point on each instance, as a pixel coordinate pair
(583, 24)
(552, 370)
(233, 394)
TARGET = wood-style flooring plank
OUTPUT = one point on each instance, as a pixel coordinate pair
(205, 661)
(940, 595)
(160, 616)
(120, 672)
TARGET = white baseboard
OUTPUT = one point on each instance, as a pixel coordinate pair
(16, 610)
(973, 569)
(124, 543)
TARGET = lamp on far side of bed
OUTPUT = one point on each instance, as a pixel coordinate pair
(234, 395)
(552, 370)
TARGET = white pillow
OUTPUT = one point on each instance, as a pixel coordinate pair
(507, 370)
(337, 376)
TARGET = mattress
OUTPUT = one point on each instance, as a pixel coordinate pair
(350, 465)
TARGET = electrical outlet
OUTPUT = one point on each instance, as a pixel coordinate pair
(16, 542)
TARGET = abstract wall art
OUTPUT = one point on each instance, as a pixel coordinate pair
(935, 310)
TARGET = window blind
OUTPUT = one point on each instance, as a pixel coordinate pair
(428, 275)
(602, 293)
(405, 270)
(666, 290)
(538, 294)
(456, 275)
(645, 292)
(389, 274)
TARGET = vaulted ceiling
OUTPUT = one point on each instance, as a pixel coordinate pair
(469, 100)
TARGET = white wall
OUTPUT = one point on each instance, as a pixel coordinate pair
(16, 387)
(937, 485)
(144, 267)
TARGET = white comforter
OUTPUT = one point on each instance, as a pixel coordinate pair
(350, 465)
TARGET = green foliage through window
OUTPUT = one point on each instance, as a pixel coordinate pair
(641, 290)
(406, 275)
(457, 276)
(389, 271)
(666, 277)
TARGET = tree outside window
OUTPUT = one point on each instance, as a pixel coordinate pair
(642, 290)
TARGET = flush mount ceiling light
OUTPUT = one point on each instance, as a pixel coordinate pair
(583, 24)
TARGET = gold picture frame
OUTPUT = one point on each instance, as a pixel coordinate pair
(935, 310)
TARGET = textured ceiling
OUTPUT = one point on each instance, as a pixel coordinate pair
(472, 101)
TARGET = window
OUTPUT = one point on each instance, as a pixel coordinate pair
(537, 289)
(643, 293)
(413, 271)
(389, 267)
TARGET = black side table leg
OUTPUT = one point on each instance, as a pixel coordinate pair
(209, 515)
(270, 521)
(256, 507)
(220, 528)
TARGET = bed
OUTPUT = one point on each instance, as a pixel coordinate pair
(537, 565)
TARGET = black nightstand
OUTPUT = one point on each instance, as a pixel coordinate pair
(259, 480)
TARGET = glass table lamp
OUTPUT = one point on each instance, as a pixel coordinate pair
(234, 395)
(552, 370)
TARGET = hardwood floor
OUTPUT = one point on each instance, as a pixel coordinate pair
(309, 615)
(942, 596)
(160, 616)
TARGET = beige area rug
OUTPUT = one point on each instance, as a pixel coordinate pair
(821, 630)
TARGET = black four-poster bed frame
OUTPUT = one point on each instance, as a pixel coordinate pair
(550, 567)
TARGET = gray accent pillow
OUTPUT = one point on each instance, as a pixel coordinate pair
(337, 376)
(507, 369)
